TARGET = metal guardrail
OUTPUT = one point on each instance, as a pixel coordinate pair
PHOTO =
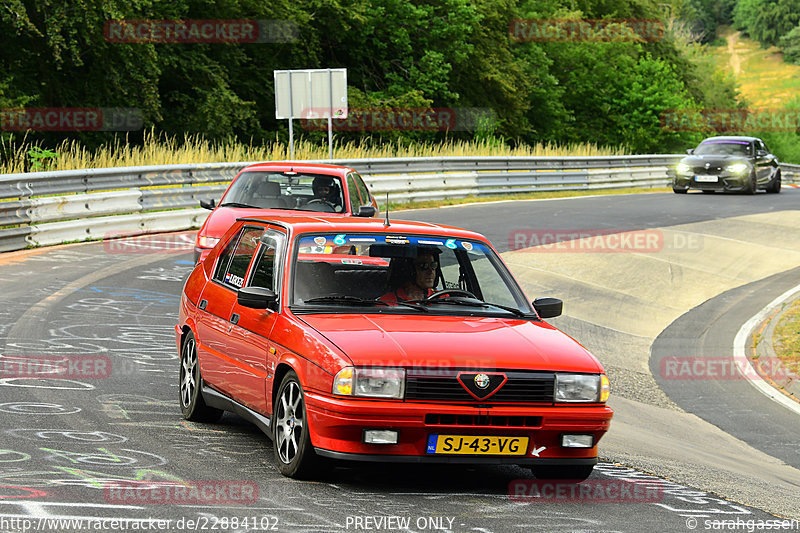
(44, 208)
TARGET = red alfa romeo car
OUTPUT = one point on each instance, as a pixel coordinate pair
(285, 186)
(348, 338)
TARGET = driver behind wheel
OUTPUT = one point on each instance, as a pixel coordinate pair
(412, 278)
(326, 192)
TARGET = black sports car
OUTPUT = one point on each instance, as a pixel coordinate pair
(728, 164)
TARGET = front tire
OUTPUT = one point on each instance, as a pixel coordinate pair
(751, 185)
(775, 186)
(291, 442)
(190, 385)
(679, 191)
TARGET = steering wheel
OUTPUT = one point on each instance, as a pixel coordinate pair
(318, 203)
(454, 292)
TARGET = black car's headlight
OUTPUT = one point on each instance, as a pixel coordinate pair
(683, 168)
(581, 388)
(370, 382)
(738, 168)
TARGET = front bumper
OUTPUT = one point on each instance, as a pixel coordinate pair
(337, 428)
(726, 181)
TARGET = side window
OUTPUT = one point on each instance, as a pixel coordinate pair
(239, 259)
(267, 271)
(355, 202)
(762, 146)
(366, 199)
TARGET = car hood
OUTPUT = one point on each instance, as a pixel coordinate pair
(453, 341)
(714, 161)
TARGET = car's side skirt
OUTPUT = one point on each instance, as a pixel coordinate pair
(220, 401)
(514, 460)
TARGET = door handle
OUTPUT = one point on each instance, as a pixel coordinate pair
(234, 318)
(203, 304)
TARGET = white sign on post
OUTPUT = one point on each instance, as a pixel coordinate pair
(317, 93)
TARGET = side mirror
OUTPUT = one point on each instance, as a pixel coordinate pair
(762, 153)
(257, 298)
(548, 307)
(208, 204)
(690, 151)
(366, 211)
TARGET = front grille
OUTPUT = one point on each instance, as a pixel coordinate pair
(441, 385)
(711, 171)
(435, 419)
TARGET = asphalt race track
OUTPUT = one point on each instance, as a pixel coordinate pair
(728, 452)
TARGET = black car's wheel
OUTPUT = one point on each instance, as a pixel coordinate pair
(190, 384)
(775, 185)
(750, 187)
(292, 444)
(707, 191)
(568, 473)
(677, 190)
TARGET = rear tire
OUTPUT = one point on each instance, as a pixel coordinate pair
(706, 191)
(679, 191)
(190, 386)
(566, 473)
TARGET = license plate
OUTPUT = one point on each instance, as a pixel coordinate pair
(709, 179)
(477, 445)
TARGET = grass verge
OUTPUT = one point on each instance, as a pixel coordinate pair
(786, 339)
(161, 150)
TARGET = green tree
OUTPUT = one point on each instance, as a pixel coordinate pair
(790, 46)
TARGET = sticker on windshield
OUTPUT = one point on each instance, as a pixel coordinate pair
(397, 240)
(434, 243)
(467, 246)
(362, 239)
(451, 243)
(320, 240)
(339, 239)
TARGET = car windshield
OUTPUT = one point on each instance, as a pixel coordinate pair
(283, 190)
(741, 148)
(402, 273)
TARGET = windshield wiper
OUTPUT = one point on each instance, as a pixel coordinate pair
(238, 204)
(472, 303)
(355, 300)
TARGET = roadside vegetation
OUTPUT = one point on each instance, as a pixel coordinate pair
(786, 339)
(216, 101)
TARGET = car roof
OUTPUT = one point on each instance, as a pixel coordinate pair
(299, 166)
(730, 138)
(303, 223)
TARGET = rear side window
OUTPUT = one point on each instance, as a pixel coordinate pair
(235, 259)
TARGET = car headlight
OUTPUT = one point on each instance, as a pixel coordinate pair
(581, 388)
(206, 242)
(683, 168)
(370, 382)
(737, 168)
